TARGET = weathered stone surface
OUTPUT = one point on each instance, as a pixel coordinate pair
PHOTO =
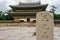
(44, 26)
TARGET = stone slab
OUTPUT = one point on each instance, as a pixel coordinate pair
(44, 24)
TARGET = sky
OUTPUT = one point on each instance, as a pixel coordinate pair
(4, 4)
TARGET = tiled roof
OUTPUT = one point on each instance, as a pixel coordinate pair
(29, 5)
(23, 13)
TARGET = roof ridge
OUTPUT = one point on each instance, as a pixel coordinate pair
(20, 3)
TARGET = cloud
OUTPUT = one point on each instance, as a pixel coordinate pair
(11, 2)
(52, 2)
(58, 8)
(46, 1)
(4, 4)
(1, 0)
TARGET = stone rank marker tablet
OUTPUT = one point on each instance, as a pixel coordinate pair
(44, 25)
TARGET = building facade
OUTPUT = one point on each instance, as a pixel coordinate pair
(26, 12)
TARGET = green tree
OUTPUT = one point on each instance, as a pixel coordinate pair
(53, 8)
(9, 17)
(2, 15)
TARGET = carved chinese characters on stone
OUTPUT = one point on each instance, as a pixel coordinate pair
(44, 26)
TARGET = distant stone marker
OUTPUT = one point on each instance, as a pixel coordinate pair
(44, 26)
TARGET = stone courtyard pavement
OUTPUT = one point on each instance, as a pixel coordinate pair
(23, 33)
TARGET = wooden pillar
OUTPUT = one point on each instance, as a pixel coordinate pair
(16, 19)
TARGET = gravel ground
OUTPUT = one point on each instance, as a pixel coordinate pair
(23, 33)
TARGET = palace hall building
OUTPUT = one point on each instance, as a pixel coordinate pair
(26, 12)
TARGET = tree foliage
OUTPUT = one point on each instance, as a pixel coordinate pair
(2, 16)
(57, 17)
(53, 8)
(5, 17)
(9, 17)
